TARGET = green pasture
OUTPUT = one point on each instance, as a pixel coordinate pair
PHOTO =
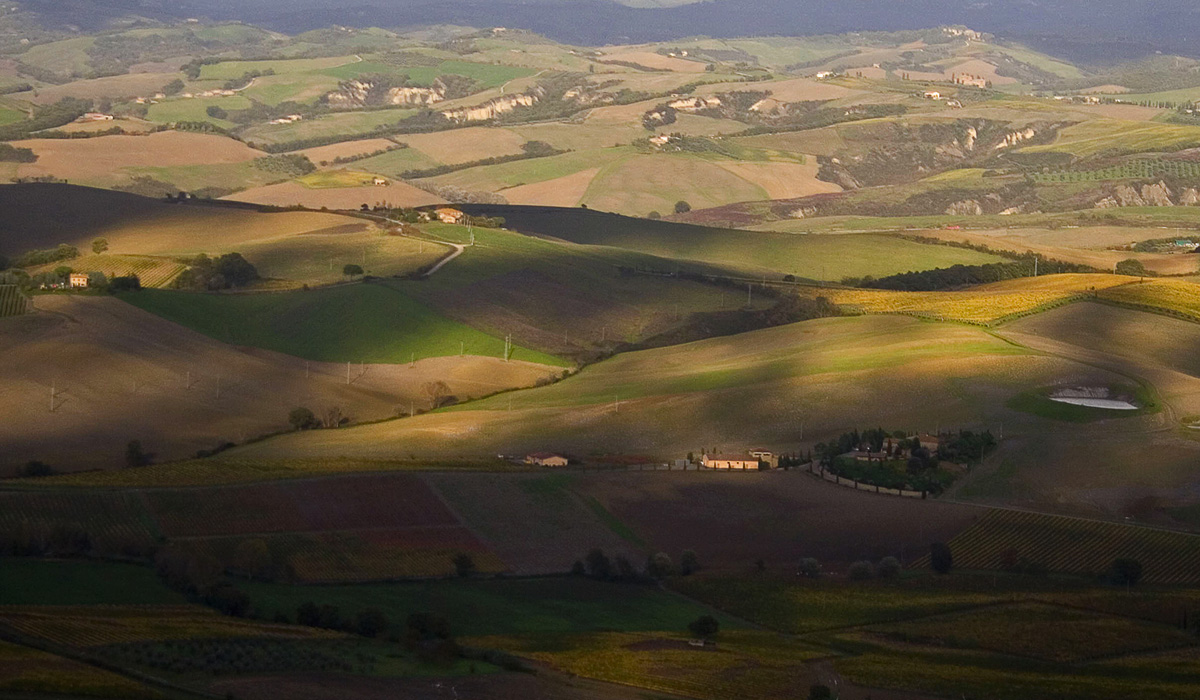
(1111, 136)
(346, 124)
(355, 323)
(230, 70)
(500, 607)
(525, 172)
(195, 110)
(81, 582)
(393, 163)
(9, 116)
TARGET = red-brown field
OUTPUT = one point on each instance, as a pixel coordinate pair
(350, 503)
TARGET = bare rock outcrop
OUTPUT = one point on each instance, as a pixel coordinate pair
(1190, 197)
(967, 207)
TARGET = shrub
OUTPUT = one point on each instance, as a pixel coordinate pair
(135, 455)
(1125, 572)
(36, 469)
(940, 557)
(705, 627)
(352, 270)
(598, 565)
(371, 623)
(682, 207)
(660, 566)
(809, 568)
(302, 418)
(464, 565)
(689, 563)
(889, 567)
(128, 283)
(861, 571)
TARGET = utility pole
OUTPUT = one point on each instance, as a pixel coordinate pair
(347, 374)
(749, 295)
(188, 385)
(412, 361)
(1035, 266)
(307, 372)
(218, 386)
(507, 347)
(53, 394)
(462, 348)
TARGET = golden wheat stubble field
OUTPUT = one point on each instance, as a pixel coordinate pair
(121, 374)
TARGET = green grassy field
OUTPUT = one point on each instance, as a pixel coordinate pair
(347, 124)
(489, 76)
(356, 323)
(195, 110)
(37, 582)
(334, 179)
(1099, 136)
(317, 259)
(396, 162)
(10, 116)
(814, 257)
(521, 606)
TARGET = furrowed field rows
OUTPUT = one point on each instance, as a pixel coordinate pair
(109, 519)
(1071, 545)
(98, 626)
(13, 302)
(23, 669)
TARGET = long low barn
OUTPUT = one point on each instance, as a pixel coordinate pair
(729, 462)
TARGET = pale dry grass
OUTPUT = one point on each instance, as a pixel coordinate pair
(560, 192)
(346, 149)
(654, 61)
(99, 160)
(466, 145)
(782, 180)
(396, 194)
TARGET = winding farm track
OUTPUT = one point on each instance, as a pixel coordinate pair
(458, 248)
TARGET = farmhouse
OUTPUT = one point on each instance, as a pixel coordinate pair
(929, 442)
(78, 280)
(933, 95)
(767, 456)
(96, 117)
(546, 459)
(379, 182)
(449, 216)
(970, 80)
(729, 462)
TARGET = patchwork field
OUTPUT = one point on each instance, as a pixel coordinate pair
(120, 374)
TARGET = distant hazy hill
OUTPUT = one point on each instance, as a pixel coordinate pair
(1089, 29)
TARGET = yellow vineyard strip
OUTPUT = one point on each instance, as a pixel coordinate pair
(152, 271)
(745, 664)
(1176, 296)
(985, 304)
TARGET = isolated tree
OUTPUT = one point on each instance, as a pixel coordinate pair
(216, 112)
(704, 627)
(598, 565)
(626, 571)
(861, 571)
(809, 568)
(302, 418)
(228, 599)
(174, 87)
(660, 566)
(371, 623)
(135, 455)
(578, 569)
(654, 216)
(941, 559)
(1125, 572)
(333, 417)
(308, 614)
(682, 207)
(889, 567)
(352, 270)
(252, 557)
(437, 393)
(464, 565)
(1132, 267)
(689, 563)
(99, 245)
